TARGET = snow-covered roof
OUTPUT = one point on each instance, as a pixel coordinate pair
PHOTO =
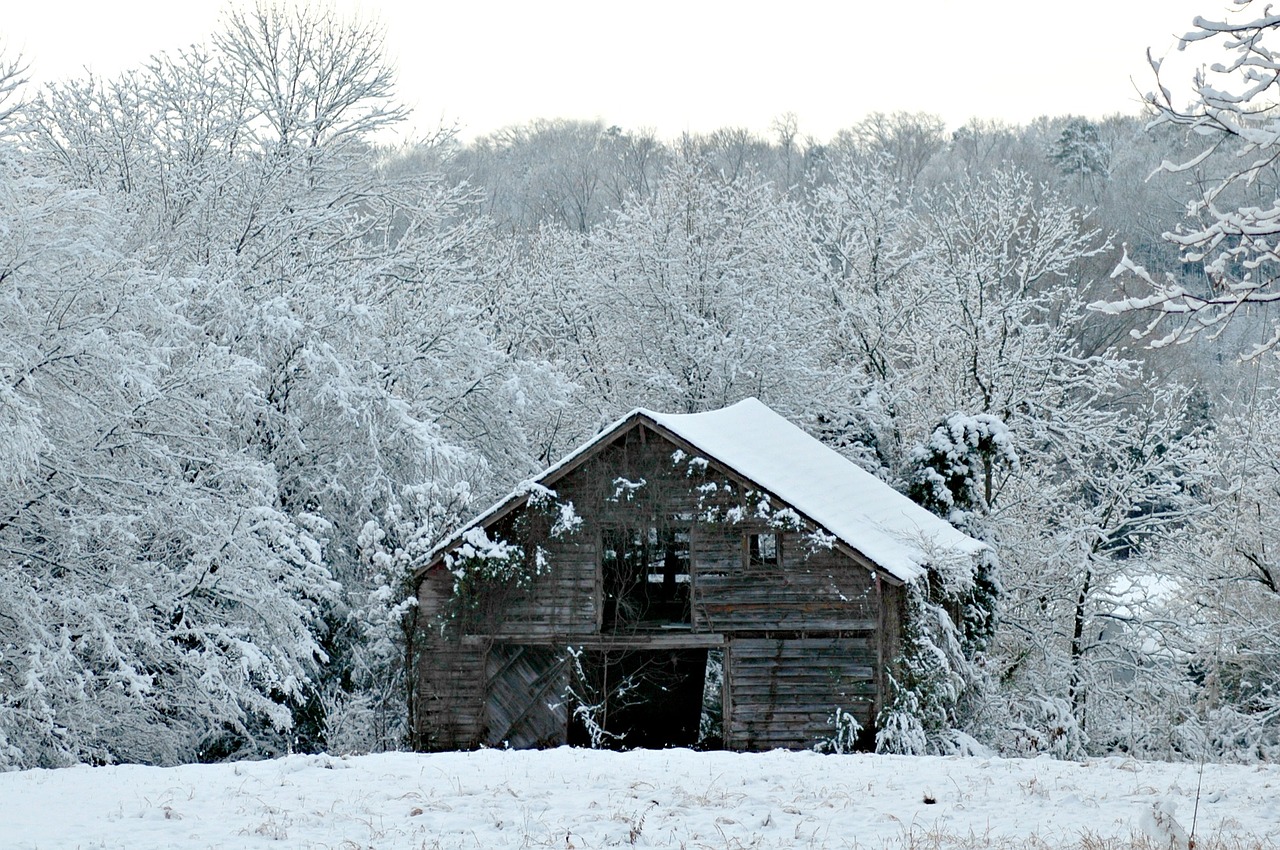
(849, 502)
(754, 442)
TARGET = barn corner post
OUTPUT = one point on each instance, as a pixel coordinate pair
(884, 652)
(891, 596)
(411, 676)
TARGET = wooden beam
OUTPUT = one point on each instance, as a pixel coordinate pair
(630, 641)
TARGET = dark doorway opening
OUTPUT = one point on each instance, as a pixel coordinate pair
(647, 699)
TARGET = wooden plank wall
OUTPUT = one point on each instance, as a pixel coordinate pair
(449, 691)
(813, 590)
(561, 602)
(450, 701)
(783, 693)
(802, 639)
(567, 601)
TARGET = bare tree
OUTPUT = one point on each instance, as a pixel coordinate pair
(910, 140)
(314, 80)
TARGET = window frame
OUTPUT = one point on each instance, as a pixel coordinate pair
(755, 556)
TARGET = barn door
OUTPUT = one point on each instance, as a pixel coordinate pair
(524, 687)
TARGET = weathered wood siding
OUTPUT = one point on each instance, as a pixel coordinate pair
(566, 601)
(525, 697)
(783, 693)
(562, 601)
(812, 590)
(803, 637)
(449, 694)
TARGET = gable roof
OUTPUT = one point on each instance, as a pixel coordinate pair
(751, 440)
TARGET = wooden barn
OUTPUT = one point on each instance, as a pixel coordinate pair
(714, 579)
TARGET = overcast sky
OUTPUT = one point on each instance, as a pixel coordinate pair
(678, 65)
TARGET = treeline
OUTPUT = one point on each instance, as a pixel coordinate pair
(252, 366)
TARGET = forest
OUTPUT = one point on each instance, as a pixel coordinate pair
(255, 362)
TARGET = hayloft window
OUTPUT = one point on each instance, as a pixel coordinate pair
(646, 576)
(763, 549)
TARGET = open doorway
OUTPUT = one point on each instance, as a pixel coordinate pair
(630, 699)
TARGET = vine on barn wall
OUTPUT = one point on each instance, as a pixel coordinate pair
(722, 502)
(488, 570)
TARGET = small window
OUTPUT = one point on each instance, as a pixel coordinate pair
(763, 549)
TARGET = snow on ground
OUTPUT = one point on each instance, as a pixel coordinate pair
(569, 798)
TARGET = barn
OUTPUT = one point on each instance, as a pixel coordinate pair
(707, 579)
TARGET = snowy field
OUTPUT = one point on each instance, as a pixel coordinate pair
(580, 799)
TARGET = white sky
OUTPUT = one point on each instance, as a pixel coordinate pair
(696, 65)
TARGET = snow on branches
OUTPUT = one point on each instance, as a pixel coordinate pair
(1232, 227)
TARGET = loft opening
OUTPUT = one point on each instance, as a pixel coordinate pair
(647, 583)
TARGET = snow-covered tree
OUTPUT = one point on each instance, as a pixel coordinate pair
(691, 298)
(1080, 152)
(245, 198)
(1220, 629)
(156, 602)
(1234, 216)
(904, 142)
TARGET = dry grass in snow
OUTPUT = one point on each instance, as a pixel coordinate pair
(576, 799)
